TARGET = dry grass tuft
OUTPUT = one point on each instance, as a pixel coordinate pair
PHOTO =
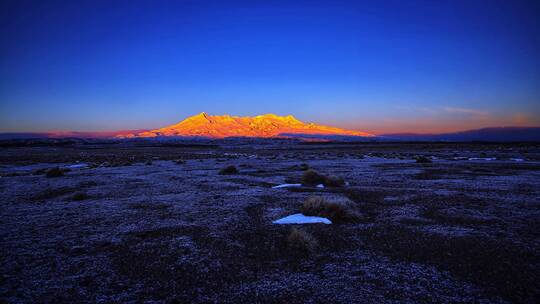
(301, 241)
(334, 181)
(53, 193)
(423, 160)
(312, 178)
(337, 210)
(228, 170)
(80, 196)
(55, 172)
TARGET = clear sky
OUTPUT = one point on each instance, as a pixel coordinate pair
(377, 66)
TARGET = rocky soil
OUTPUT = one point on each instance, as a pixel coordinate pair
(128, 223)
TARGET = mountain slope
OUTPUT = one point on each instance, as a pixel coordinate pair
(268, 125)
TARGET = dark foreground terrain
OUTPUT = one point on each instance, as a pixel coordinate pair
(148, 223)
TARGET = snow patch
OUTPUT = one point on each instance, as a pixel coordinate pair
(77, 166)
(286, 186)
(483, 158)
(299, 218)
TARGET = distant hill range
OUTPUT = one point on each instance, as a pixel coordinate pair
(262, 126)
(500, 134)
(273, 126)
(67, 134)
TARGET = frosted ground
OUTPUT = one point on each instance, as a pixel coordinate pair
(160, 224)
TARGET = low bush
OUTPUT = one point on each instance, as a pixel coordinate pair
(228, 170)
(337, 210)
(304, 167)
(55, 172)
(51, 193)
(312, 178)
(40, 171)
(79, 196)
(334, 181)
(423, 160)
(301, 241)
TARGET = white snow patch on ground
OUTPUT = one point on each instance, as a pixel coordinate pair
(299, 218)
(77, 166)
(286, 186)
(320, 186)
(483, 158)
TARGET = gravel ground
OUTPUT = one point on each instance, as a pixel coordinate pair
(160, 224)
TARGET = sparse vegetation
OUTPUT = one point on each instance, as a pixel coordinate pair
(334, 181)
(184, 234)
(87, 184)
(304, 167)
(337, 210)
(40, 171)
(55, 172)
(312, 178)
(423, 160)
(148, 206)
(53, 193)
(80, 196)
(300, 241)
(228, 170)
(497, 264)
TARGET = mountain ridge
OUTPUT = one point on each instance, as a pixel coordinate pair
(223, 126)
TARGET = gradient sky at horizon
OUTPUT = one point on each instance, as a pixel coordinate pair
(389, 66)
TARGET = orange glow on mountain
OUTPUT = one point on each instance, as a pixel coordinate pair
(268, 125)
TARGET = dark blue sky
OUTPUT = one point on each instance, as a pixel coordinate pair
(379, 66)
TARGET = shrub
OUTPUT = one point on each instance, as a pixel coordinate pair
(301, 241)
(312, 178)
(423, 160)
(51, 193)
(304, 167)
(55, 172)
(40, 171)
(79, 196)
(337, 210)
(228, 170)
(334, 181)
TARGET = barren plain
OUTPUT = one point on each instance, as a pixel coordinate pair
(153, 223)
